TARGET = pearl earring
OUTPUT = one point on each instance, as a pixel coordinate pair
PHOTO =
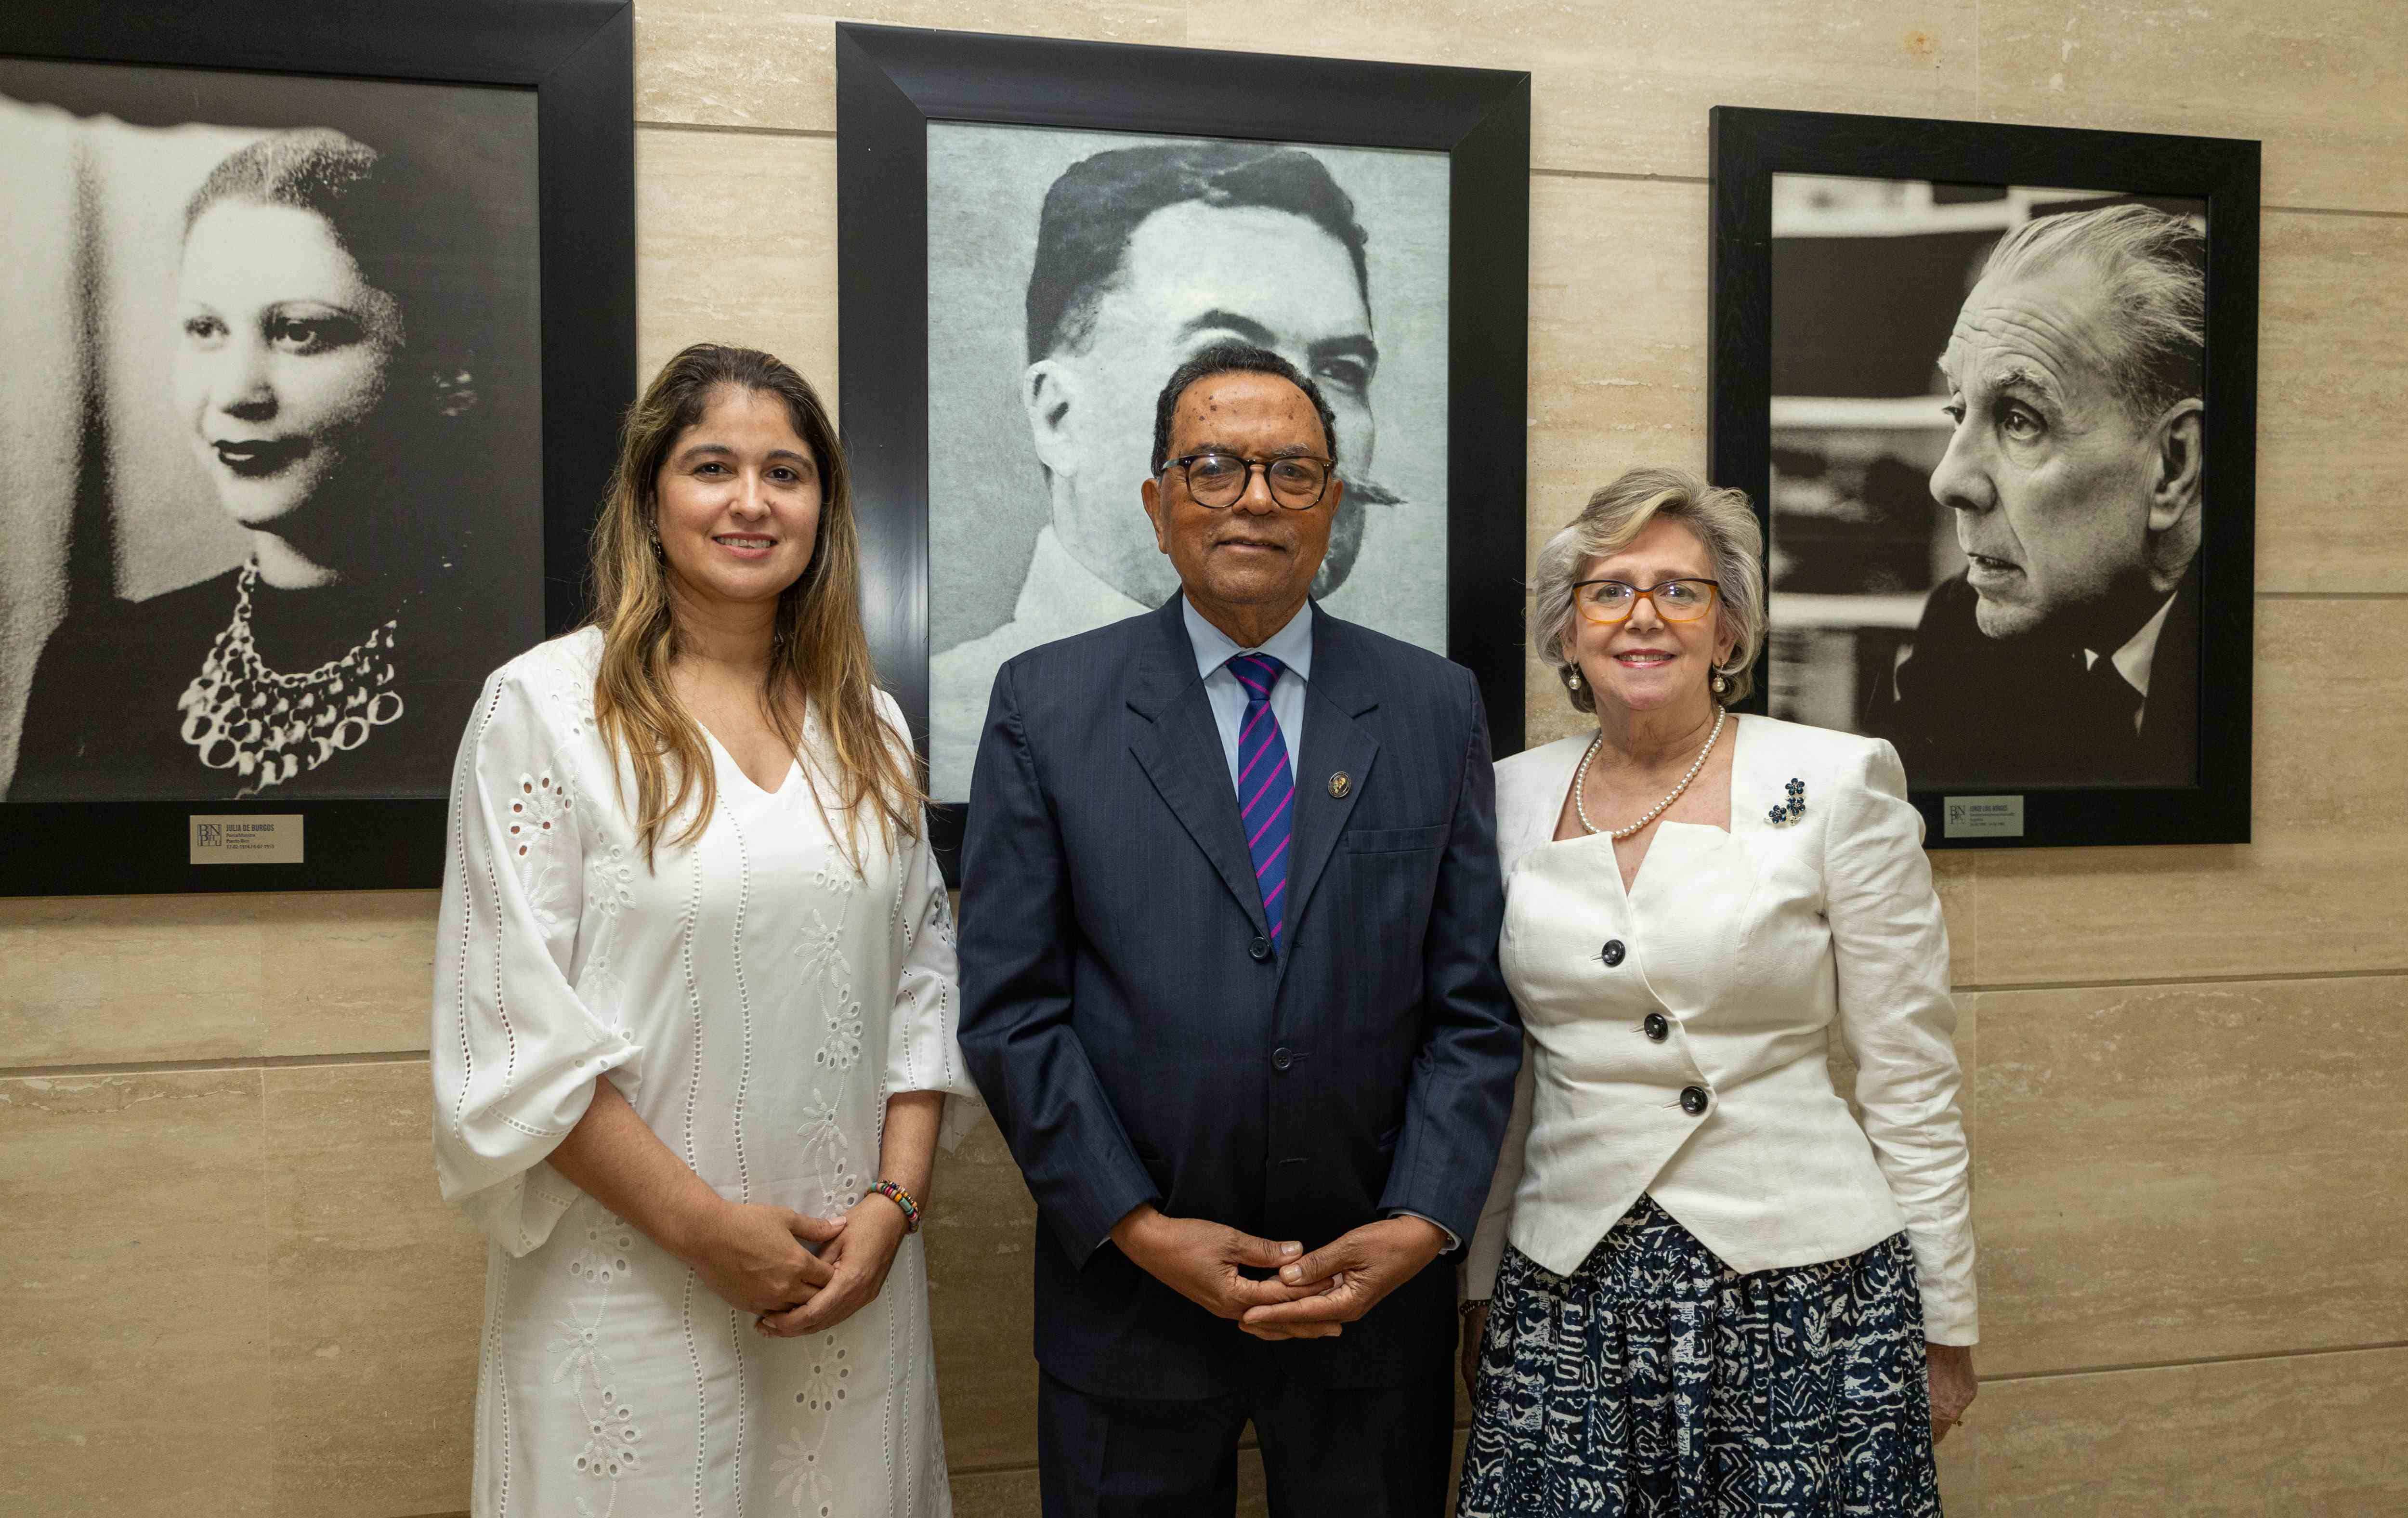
(1719, 685)
(1574, 680)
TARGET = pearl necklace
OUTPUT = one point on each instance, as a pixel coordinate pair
(1580, 783)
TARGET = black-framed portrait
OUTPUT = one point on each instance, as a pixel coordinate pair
(1993, 390)
(319, 323)
(1034, 233)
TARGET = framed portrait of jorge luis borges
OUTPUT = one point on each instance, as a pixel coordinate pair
(319, 320)
(1994, 391)
(1033, 234)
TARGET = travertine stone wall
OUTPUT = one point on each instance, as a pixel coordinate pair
(227, 1286)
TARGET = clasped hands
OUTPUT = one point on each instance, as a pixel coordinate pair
(1310, 1295)
(794, 1273)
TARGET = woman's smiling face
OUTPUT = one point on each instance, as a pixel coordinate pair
(284, 353)
(1646, 661)
(738, 501)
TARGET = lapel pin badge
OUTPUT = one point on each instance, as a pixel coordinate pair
(1793, 807)
(1340, 784)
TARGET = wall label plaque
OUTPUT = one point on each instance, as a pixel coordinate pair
(1986, 817)
(247, 839)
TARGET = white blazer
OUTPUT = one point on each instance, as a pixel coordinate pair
(1747, 945)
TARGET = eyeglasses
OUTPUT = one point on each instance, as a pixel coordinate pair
(1674, 600)
(1297, 480)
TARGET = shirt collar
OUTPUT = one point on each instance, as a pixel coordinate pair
(1062, 593)
(1292, 645)
(2133, 659)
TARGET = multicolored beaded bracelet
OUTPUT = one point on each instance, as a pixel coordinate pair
(902, 1199)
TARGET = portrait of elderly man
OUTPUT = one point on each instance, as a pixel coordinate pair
(1144, 256)
(2066, 652)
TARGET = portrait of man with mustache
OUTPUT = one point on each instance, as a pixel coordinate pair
(1146, 255)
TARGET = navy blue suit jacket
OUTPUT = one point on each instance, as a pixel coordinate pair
(1134, 1048)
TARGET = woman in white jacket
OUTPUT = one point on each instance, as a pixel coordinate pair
(1704, 1285)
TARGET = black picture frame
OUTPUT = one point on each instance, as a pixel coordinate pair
(578, 58)
(1749, 147)
(892, 82)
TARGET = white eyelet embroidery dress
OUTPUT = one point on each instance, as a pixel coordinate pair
(757, 1002)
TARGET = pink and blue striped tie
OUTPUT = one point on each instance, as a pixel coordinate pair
(1265, 785)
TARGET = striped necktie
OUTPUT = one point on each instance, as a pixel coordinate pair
(1265, 785)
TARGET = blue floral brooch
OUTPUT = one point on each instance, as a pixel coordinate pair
(1792, 809)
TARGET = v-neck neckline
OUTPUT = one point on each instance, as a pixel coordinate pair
(722, 750)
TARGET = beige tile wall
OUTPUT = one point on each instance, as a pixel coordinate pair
(231, 1289)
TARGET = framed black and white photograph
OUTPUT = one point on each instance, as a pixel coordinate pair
(301, 428)
(1089, 215)
(1993, 390)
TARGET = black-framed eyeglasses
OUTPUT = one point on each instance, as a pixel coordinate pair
(1217, 479)
(1674, 600)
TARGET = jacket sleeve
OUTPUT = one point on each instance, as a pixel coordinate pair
(1462, 1083)
(515, 1050)
(1481, 1261)
(1018, 930)
(1898, 1025)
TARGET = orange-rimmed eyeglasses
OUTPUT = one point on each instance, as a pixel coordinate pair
(1674, 600)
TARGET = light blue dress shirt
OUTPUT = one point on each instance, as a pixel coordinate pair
(1292, 645)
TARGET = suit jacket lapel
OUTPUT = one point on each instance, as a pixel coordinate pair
(1178, 747)
(1338, 691)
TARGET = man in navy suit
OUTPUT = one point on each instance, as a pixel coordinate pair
(1229, 921)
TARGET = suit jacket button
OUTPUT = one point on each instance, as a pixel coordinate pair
(1612, 954)
(1693, 1100)
(1281, 1059)
(1657, 1027)
(1260, 949)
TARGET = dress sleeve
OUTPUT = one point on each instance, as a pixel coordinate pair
(924, 1050)
(1487, 1253)
(1898, 1024)
(515, 1051)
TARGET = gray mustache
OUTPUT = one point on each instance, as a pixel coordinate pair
(1369, 492)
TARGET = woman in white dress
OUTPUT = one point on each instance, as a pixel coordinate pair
(695, 1004)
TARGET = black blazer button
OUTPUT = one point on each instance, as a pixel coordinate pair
(1260, 949)
(1657, 1027)
(1693, 1100)
(1612, 954)
(1281, 1059)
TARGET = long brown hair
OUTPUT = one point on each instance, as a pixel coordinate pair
(817, 646)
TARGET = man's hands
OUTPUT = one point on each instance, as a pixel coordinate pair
(1201, 1261)
(1346, 1278)
(858, 1261)
(755, 1257)
(1314, 1296)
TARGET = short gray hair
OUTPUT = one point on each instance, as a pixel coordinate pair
(2155, 267)
(1723, 521)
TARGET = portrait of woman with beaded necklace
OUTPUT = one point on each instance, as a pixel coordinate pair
(329, 378)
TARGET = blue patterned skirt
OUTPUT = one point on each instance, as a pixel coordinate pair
(1657, 1380)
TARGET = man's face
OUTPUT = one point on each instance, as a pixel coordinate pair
(1255, 558)
(1194, 275)
(2049, 477)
